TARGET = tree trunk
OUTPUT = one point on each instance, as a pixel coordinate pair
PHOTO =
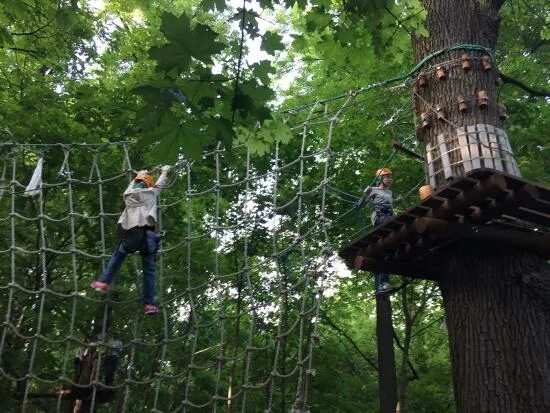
(387, 380)
(453, 23)
(497, 303)
(496, 298)
(403, 374)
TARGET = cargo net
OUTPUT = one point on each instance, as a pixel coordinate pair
(247, 256)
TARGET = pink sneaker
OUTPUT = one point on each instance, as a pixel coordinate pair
(151, 309)
(99, 286)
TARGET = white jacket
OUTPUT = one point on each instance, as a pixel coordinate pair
(141, 205)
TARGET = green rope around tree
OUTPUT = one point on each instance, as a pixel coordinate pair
(409, 74)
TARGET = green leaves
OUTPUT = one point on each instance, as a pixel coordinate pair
(250, 100)
(266, 4)
(5, 37)
(415, 18)
(184, 44)
(176, 118)
(364, 7)
(271, 42)
(261, 141)
(189, 98)
(276, 131)
(201, 109)
(545, 31)
(300, 3)
(156, 102)
(345, 35)
(176, 135)
(249, 21)
(211, 4)
(66, 17)
(15, 7)
(262, 70)
(317, 19)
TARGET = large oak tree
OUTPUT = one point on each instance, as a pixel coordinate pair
(496, 298)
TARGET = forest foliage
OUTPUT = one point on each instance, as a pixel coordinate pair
(178, 77)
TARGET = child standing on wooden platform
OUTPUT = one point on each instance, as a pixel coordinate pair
(381, 198)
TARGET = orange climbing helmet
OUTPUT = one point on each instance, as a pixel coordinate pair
(382, 172)
(147, 179)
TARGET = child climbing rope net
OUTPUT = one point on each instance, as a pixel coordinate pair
(136, 229)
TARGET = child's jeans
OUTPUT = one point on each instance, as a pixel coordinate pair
(148, 252)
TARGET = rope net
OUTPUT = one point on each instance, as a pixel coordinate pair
(241, 274)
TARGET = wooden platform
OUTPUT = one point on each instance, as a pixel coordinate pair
(483, 206)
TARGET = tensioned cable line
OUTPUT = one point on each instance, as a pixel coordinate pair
(401, 77)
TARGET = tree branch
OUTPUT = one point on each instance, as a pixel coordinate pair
(239, 64)
(539, 44)
(399, 22)
(331, 324)
(528, 89)
(34, 31)
(409, 363)
(420, 330)
(19, 49)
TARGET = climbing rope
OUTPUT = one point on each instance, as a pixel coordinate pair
(402, 77)
(78, 251)
(220, 317)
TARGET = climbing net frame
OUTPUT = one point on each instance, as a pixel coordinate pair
(235, 332)
(241, 274)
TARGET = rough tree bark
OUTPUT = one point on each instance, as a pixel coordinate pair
(498, 318)
(451, 23)
(496, 299)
